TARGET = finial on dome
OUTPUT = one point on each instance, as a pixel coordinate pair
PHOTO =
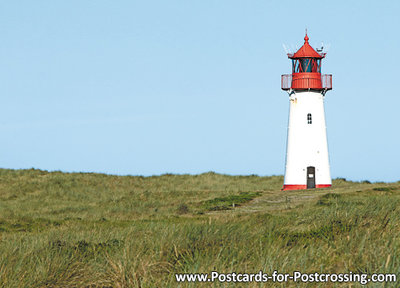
(306, 37)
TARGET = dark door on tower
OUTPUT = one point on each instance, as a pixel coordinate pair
(310, 177)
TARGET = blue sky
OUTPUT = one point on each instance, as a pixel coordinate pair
(152, 87)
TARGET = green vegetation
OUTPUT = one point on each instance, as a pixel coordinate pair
(230, 201)
(95, 230)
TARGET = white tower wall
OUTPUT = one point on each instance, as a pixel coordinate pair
(307, 143)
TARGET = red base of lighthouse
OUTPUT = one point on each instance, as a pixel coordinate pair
(301, 187)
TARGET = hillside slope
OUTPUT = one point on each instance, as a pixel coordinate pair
(95, 230)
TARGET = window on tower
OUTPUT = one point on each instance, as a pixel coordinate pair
(309, 118)
(296, 66)
(319, 65)
(306, 64)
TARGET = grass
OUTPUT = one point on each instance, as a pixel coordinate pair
(95, 230)
(229, 202)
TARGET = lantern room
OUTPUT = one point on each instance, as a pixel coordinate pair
(306, 70)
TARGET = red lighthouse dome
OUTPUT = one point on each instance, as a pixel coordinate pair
(306, 70)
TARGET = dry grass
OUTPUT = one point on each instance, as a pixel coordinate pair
(95, 230)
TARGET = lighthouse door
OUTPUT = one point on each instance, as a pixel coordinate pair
(310, 177)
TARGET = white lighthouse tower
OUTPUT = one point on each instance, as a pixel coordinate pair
(307, 159)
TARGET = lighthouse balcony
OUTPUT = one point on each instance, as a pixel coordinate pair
(306, 81)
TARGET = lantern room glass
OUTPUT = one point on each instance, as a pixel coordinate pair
(307, 65)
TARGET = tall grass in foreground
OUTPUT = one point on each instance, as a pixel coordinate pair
(95, 230)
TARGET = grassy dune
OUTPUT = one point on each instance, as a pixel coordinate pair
(94, 230)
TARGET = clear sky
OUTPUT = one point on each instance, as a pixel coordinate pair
(152, 87)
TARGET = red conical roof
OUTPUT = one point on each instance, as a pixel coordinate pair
(306, 51)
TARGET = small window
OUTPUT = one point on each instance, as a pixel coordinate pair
(306, 64)
(309, 118)
(296, 66)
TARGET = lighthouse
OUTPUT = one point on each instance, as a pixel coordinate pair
(307, 159)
